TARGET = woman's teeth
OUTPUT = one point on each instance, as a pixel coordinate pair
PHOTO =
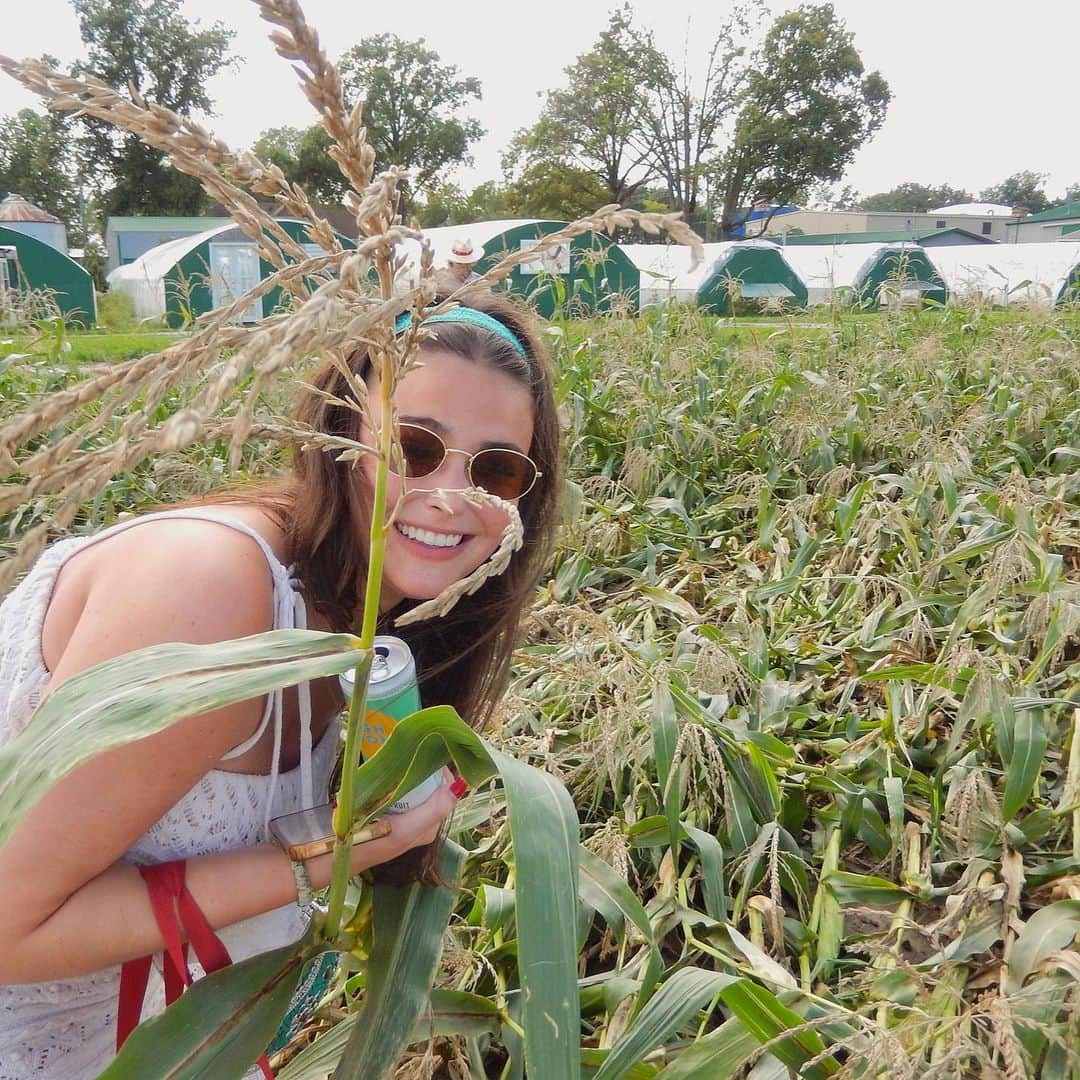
(426, 536)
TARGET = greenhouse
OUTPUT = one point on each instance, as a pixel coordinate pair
(190, 276)
(1046, 274)
(29, 265)
(753, 270)
(587, 275)
(866, 275)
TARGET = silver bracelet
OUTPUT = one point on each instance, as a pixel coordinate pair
(304, 894)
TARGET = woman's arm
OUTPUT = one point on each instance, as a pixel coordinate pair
(67, 906)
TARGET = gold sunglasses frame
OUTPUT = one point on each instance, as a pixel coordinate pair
(468, 465)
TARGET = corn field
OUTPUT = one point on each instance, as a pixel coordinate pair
(808, 664)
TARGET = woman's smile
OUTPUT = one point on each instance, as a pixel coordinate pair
(428, 541)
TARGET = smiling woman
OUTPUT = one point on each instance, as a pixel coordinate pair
(294, 553)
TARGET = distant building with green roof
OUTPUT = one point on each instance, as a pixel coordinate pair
(1048, 225)
(923, 237)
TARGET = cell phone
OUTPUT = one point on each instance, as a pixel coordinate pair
(308, 833)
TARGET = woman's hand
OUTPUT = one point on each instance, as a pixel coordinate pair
(413, 828)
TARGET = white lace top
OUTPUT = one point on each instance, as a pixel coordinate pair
(66, 1030)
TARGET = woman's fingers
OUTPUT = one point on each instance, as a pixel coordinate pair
(413, 828)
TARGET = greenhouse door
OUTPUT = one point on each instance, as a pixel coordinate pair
(234, 268)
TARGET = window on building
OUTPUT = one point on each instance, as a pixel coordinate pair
(940, 223)
(987, 226)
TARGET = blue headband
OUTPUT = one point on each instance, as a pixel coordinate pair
(467, 315)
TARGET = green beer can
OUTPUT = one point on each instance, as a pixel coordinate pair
(393, 694)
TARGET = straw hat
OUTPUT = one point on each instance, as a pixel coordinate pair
(465, 252)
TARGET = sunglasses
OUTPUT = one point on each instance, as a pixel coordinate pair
(509, 474)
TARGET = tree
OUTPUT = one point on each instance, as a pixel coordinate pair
(304, 158)
(916, 197)
(1072, 194)
(599, 122)
(37, 161)
(554, 189)
(808, 106)
(825, 196)
(1021, 189)
(688, 123)
(152, 48)
(411, 102)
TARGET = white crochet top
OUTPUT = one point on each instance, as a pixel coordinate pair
(66, 1030)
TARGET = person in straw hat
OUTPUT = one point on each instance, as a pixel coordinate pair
(464, 255)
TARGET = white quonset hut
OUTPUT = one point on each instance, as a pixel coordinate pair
(666, 274)
(187, 277)
(865, 275)
(734, 270)
(1045, 274)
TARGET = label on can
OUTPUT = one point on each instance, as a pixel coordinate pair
(393, 694)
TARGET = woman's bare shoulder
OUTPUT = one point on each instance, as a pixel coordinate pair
(171, 579)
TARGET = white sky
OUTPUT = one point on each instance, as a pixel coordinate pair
(981, 89)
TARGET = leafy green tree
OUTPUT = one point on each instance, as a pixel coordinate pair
(38, 161)
(915, 197)
(304, 157)
(152, 48)
(1072, 194)
(412, 104)
(599, 122)
(808, 106)
(554, 189)
(1025, 188)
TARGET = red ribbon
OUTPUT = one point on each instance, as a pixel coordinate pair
(174, 907)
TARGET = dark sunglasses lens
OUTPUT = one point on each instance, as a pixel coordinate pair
(423, 450)
(502, 473)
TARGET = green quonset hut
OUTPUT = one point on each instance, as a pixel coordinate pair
(588, 276)
(192, 275)
(866, 275)
(29, 263)
(748, 270)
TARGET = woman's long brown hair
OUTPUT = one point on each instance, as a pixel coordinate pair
(463, 658)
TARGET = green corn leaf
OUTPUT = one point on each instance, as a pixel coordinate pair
(711, 858)
(721, 1053)
(1049, 929)
(407, 934)
(544, 830)
(669, 601)
(141, 693)
(665, 732)
(612, 897)
(419, 745)
(592, 1061)
(863, 889)
(978, 545)
(675, 1004)
(1028, 752)
(449, 1013)
(893, 787)
(757, 652)
(649, 832)
(493, 909)
(766, 1018)
(220, 1025)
